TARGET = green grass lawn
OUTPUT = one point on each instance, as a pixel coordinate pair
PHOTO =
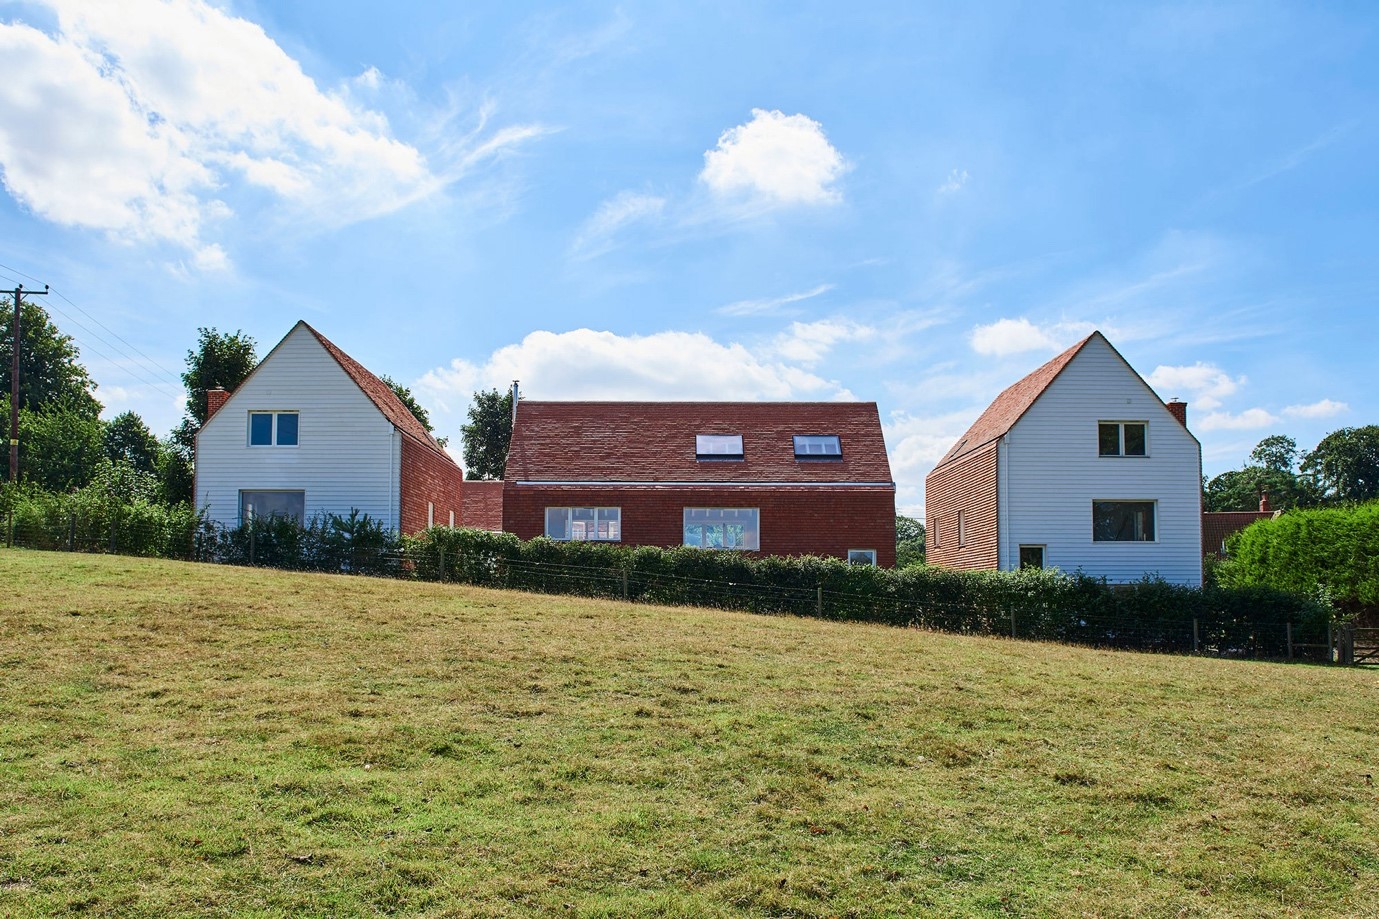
(180, 739)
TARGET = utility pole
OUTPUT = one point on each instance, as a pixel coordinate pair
(18, 294)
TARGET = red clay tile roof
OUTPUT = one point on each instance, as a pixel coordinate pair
(381, 395)
(1000, 416)
(1217, 525)
(655, 442)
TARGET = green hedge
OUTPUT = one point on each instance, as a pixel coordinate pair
(93, 519)
(1333, 550)
(1149, 615)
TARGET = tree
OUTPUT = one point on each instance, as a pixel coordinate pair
(50, 371)
(487, 435)
(909, 542)
(1278, 452)
(220, 359)
(1273, 470)
(128, 439)
(59, 447)
(404, 395)
(1346, 464)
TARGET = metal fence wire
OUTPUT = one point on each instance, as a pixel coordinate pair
(368, 550)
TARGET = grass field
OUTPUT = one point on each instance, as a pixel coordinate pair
(180, 739)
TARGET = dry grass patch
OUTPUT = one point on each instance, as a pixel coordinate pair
(183, 739)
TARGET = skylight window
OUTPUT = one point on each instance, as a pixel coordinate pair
(818, 446)
(718, 446)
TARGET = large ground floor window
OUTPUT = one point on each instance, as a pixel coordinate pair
(584, 524)
(1123, 521)
(275, 503)
(722, 528)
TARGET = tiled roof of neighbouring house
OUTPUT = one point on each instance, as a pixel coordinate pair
(649, 442)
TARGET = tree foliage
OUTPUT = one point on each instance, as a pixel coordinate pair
(220, 359)
(50, 371)
(127, 439)
(1272, 469)
(60, 447)
(909, 541)
(405, 396)
(487, 435)
(1346, 464)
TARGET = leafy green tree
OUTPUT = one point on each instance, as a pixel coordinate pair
(1272, 469)
(50, 371)
(176, 477)
(487, 435)
(60, 447)
(909, 541)
(220, 359)
(1346, 464)
(405, 396)
(1278, 452)
(128, 439)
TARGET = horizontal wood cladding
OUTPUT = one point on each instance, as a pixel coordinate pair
(483, 505)
(429, 478)
(794, 521)
(966, 486)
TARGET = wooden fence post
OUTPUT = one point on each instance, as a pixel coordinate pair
(1290, 640)
(819, 602)
(71, 532)
(1012, 622)
(624, 584)
(251, 543)
(1330, 642)
(1196, 637)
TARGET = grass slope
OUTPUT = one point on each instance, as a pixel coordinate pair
(183, 739)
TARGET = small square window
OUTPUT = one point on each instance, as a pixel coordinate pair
(818, 446)
(1031, 556)
(718, 446)
(862, 557)
(1121, 438)
(269, 429)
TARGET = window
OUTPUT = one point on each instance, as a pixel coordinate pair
(1123, 521)
(818, 446)
(290, 504)
(1121, 438)
(1031, 556)
(933, 528)
(862, 557)
(962, 529)
(718, 446)
(722, 528)
(584, 524)
(272, 429)
(430, 514)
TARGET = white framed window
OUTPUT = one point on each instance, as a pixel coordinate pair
(818, 446)
(273, 429)
(723, 528)
(430, 514)
(272, 503)
(862, 557)
(718, 446)
(933, 528)
(1122, 438)
(1123, 521)
(452, 520)
(584, 524)
(962, 529)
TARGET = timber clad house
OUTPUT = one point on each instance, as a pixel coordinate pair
(1077, 466)
(310, 432)
(785, 478)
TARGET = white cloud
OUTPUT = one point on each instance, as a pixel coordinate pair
(915, 445)
(138, 118)
(807, 343)
(771, 304)
(775, 159)
(955, 181)
(1014, 336)
(1205, 385)
(1324, 408)
(1248, 420)
(588, 364)
(622, 209)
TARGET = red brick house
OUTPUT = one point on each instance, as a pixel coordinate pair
(1217, 526)
(311, 431)
(782, 478)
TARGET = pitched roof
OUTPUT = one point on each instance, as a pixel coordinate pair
(1217, 525)
(655, 442)
(1007, 408)
(380, 394)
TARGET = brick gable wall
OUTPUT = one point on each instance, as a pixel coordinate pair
(967, 485)
(794, 521)
(429, 477)
(483, 505)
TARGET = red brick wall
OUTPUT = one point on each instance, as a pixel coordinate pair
(427, 476)
(967, 485)
(483, 505)
(794, 521)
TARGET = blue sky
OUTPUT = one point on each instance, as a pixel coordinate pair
(911, 205)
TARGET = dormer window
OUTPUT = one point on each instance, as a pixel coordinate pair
(818, 446)
(1121, 438)
(272, 429)
(718, 446)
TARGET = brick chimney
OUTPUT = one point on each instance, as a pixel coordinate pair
(215, 398)
(1264, 506)
(1178, 409)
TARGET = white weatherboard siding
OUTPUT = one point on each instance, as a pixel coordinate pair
(1051, 473)
(348, 454)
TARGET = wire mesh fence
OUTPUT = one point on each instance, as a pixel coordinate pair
(359, 546)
